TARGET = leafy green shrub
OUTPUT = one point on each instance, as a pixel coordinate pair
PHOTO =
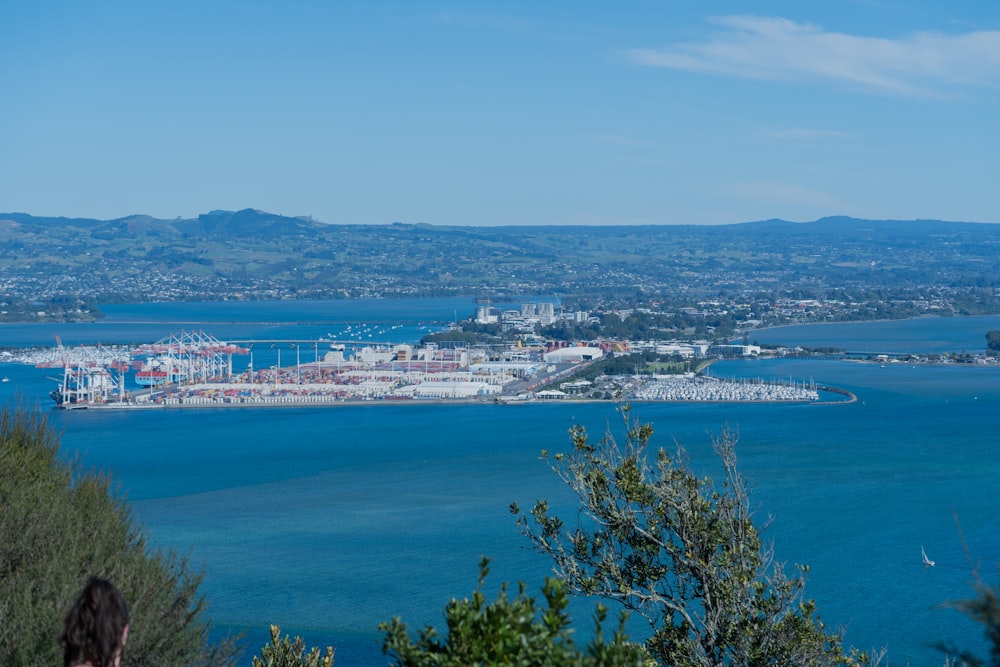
(509, 631)
(284, 652)
(61, 524)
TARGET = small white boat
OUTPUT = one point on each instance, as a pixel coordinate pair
(923, 557)
(5, 379)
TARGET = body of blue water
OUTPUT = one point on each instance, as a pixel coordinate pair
(327, 521)
(928, 335)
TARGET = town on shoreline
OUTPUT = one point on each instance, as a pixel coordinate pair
(464, 362)
(196, 370)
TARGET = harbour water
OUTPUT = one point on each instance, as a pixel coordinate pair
(327, 521)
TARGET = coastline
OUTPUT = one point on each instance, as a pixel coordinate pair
(903, 321)
(925, 316)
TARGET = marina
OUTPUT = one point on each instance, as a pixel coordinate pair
(706, 388)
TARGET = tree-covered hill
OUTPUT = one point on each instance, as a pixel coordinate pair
(251, 254)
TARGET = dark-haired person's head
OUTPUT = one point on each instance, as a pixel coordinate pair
(96, 626)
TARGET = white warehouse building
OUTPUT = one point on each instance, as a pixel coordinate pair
(566, 355)
(455, 389)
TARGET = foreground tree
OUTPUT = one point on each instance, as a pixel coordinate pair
(511, 632)
(59, 524)
(984, 608)
(681, 552)
(286, 652)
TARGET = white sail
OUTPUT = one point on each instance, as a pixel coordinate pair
(923, 556)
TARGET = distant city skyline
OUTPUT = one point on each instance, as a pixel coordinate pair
(488, 113)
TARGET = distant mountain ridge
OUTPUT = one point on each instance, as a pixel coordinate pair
(258, 219)
(212, 222)
(841, 223)
(254, 254)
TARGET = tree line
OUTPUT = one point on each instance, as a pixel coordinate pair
(993, 340)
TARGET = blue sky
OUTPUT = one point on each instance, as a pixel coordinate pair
(497, 113)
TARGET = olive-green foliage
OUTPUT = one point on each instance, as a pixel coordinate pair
(61, 524)
(681, 552)
(509, 631)
(285, 652)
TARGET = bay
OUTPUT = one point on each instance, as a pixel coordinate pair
(927, 335)
(129, 323)
(327, 521)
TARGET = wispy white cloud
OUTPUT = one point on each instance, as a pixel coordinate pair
(925, 64)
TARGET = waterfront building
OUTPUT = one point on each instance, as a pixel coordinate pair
(573, 354)
(686, 351)
(546, 313)
(455, 389)
(486, 314)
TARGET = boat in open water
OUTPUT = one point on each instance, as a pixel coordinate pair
(923, 557)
